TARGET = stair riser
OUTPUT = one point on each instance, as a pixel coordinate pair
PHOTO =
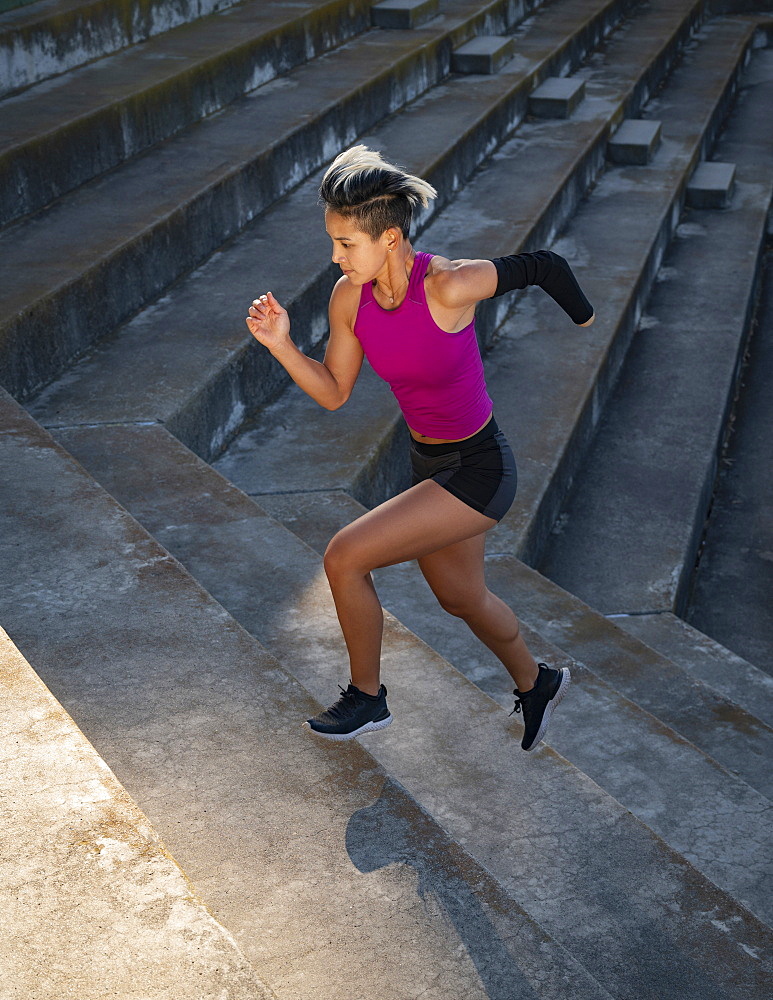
(126, 281)
(120, 130)
(41, 343)
(682, 592)
(35, 51)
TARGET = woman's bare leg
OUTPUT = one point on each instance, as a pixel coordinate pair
(456, 577)
(423, 519)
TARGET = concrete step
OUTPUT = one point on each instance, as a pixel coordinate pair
(212, 374)
(549, 379)
(50, 37)
(735, 678)
(142, 234)
(550, 834)
(92, 901)
(91, 119)
(256, 460)
(644, 763)
(736, 555)
(628, 535)
(313, 857)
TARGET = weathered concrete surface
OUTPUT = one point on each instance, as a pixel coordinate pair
(91, 119)
(630, 530)
(202, 727)
(137, 235)
(56, 35)
(549, 379)
(91, 902)
(737, 679)
(725, 832)
(450, 738)
(459, 128)
(737, 558)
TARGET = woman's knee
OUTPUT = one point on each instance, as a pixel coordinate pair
(341, 556)
(462, 603)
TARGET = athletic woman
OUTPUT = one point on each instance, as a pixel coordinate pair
(413, 316)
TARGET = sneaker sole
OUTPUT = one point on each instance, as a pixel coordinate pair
(369, 727)
(563, 686)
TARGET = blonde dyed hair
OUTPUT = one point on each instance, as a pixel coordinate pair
(360, 185)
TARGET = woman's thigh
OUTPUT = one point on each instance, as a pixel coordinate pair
(412, 525)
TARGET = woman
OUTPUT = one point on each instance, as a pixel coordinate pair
(413, 315)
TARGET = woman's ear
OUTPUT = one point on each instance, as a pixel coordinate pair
(392, 237)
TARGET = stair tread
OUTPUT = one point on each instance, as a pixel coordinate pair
(202, 727)
(290, 609)
(645, 765)
(61, 808)
(740, 681)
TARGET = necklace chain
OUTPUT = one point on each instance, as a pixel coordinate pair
(407, 278)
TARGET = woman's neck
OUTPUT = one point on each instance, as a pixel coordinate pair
(392, 282)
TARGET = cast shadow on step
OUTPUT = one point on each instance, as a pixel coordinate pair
(394, 831)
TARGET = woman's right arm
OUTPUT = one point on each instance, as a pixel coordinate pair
(329, 382)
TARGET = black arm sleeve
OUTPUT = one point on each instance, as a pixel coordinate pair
(551, 272)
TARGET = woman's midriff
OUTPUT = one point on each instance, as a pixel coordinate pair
(426, 440)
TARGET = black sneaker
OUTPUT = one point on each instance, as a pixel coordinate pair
(355, 712)
(538, 704)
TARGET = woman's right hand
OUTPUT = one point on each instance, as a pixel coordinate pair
(268, 322)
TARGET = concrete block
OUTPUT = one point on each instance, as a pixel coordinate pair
(404, 13)
(484, 54)
(635, 142)
(556, 97)
(711, 186)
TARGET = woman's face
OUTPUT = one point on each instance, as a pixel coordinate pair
(355, 252)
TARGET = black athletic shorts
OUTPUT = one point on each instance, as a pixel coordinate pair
(480, 471)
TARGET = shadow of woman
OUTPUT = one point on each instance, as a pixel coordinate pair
(393, 830)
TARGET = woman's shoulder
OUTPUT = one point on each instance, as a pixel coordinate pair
(345, 300)
(438, 264)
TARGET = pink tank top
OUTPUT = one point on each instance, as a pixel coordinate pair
(437, 377)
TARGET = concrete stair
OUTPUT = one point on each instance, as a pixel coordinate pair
(589, 869)
(206, 523)
(92, 119)
(629, 532)
(311, 858)
(563, 835)
(92, 901)
(43, 39)
(444, 135)
(190, 194)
